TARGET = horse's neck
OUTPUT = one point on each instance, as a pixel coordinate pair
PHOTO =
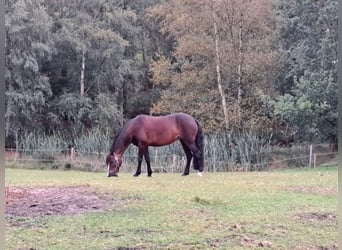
(121, 144)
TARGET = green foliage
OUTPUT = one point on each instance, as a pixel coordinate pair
(74, 110)
(105, 112)
(309, 46)
(311, 109)
(27, 47)
(159, 56)
(45, 44)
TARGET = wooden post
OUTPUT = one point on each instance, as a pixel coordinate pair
(174, 162)
(155, 156)
(72, 153)
(214, 160)
(310, 157)
(314, 160)
(15, 155)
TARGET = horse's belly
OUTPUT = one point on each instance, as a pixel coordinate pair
(162, 136)
(157, 142)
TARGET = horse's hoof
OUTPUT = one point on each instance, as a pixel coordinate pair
(136, 175)
(185, 174)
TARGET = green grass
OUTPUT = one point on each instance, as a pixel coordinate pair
(168, 211)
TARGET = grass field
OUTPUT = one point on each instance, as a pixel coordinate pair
(289, 209)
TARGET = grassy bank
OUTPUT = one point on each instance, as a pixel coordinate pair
(292, 209)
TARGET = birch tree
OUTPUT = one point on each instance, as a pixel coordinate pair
(223, 52)
(218, 68)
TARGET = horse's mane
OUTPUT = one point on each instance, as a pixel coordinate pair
(116, 139)
(122, 139)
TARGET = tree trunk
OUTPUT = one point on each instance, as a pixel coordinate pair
(143, 47)
(8, 112)
(239, 97)
(82, 73)
(218, 73)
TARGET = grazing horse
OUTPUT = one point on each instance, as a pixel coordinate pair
(145, 130)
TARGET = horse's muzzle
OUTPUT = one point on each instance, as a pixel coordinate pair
(112, 175)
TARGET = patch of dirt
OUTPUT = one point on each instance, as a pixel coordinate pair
(39, 202)
(333, 246)
(280, 229)
(248, 241)
(217, 242)
(314, 190)
(327, 218)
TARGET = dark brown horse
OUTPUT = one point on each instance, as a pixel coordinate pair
(145, 130)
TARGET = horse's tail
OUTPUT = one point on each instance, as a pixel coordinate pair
(200, 146)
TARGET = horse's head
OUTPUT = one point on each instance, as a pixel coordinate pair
(113, 162)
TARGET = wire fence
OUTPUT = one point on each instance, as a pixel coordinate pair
(164, 160)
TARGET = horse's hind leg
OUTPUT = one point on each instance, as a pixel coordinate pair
(140, 157)
(188, 158)
(147, 159)
(196, 154)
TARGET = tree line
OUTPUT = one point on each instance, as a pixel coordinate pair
(265, 66)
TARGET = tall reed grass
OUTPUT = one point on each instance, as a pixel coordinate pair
(244, 151)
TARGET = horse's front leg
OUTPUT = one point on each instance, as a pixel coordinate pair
(140, 157)
(147, 159)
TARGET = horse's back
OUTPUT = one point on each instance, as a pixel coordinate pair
(167, 119)
(163, 130)
(179, 121)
